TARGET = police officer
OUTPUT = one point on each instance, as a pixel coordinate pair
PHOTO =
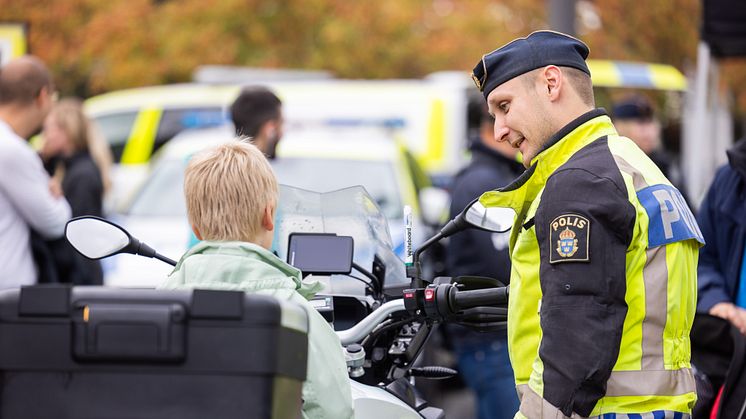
(604, 249)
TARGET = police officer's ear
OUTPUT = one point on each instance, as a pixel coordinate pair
(552, 80)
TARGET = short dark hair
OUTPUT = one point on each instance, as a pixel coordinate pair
(22, 79)
(477, 111)
(582, 84)
(578, 79)
(254, 106)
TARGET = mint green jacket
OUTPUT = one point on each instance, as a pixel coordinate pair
(250, 268)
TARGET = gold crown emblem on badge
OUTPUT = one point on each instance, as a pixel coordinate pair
(567, 234)
(477, 81)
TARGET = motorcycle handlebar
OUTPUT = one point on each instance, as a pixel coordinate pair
(462, 300)
(442, 305)
(359, 331)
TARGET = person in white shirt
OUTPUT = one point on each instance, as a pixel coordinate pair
(28, 198)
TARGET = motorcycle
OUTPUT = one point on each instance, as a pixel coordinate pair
(381, 308)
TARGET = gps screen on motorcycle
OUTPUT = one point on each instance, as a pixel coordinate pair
(320, 254)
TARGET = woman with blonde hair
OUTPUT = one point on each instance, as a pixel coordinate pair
(74, 157)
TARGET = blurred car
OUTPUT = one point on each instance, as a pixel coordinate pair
(137, 122)
(317, 160)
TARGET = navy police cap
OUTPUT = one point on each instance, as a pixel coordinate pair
(539, 49)
(634, 107)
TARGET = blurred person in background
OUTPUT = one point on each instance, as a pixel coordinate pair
(722, 261)
(635, 119)
(482, 358)
(721, 293)
(257, 113)
(29, 199)
(74, 157)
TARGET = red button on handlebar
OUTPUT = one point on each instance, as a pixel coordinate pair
(429, 294)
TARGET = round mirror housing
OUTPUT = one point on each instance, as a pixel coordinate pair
(96, 238)
(476, 215)
(495, 219)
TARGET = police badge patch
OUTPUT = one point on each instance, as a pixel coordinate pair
(568, 239)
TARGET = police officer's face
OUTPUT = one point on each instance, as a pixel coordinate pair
(521, 116)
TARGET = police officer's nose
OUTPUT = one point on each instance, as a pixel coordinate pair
(501, 132)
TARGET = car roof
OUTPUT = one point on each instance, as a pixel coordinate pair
(347, 143)
(172, 96)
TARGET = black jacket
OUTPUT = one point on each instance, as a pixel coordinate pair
(83, 188)
(718, 349)
(473, 252)
(722, 219)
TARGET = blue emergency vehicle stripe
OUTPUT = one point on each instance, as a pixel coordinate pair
(634, 74)
(670, 218)
(634, 416)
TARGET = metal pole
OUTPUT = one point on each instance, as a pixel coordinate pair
(562, 16)
(696, 149)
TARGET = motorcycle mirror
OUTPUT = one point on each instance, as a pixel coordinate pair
(475, 215)
(494, 219)
(96, 238)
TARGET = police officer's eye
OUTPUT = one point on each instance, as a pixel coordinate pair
(504, 106)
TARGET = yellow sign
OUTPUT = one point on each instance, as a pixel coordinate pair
(13, 42)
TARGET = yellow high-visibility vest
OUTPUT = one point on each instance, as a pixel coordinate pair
(604, 270)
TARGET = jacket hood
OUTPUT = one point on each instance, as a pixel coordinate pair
(737, 158)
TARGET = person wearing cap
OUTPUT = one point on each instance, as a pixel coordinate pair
(603, 248)
(635, 119)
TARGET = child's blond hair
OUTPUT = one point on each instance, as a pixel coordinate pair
(228, 188)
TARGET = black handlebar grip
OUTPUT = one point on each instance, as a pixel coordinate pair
(494, 297)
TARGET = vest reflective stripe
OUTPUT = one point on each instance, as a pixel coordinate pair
(534, 406)
(659, 263)
(638, 180)
(656, 307)
(650, 383)
(655, 293)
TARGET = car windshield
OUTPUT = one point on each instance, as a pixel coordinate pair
(163, 193)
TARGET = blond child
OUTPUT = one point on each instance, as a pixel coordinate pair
(231, 196)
